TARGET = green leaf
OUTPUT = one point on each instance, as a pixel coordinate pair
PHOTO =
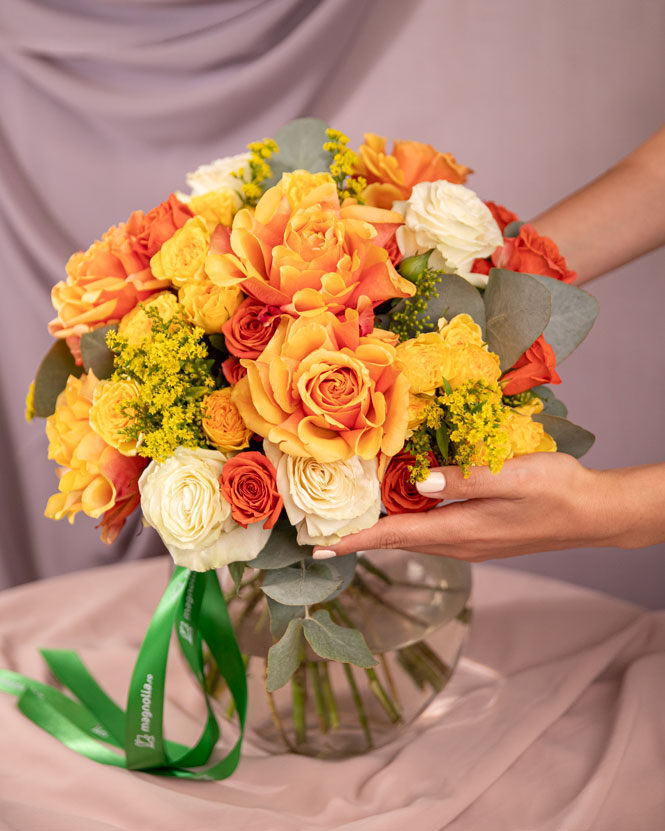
(236, 571)
(344, 568)
(300, 145)
(455, 296)
(552, 405)
(304, 584)
(283, 657)
(573, 314)
(442, 436)
(282, 548)
(96, 354)
(281, 615)
(56, 367)
(336, 643)
(518, 309)
(412, 267)
(570, 438)
(512, 229)
(218, 342)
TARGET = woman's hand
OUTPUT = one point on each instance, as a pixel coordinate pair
(539, 502)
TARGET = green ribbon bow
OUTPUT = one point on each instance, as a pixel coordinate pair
(194, 605)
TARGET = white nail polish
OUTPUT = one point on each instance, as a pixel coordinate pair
(323, 554)
(434, 483)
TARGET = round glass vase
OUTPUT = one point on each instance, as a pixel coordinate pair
(397, 599)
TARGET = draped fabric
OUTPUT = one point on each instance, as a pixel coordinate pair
(105, 107)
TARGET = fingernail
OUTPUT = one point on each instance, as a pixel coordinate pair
(434, 483)
(324, 554)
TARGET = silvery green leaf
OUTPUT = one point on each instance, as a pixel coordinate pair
(236, 570)
(284, 656)
(512, 229)
(282, 548)
(573, 313)
(281, 615)
(304, 584)
(336, 643)
(552, 405)
(345, 568)
(300, 145)
(455, 296)
(95, 353)
(518, 309)
(570, 438)
(51, 378)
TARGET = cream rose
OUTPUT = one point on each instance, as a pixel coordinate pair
(219, 174)
(182, 500)
(454, 221)
(326, 500)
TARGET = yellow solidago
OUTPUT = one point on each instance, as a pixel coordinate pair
(30, 403)
(259, 169)
(172, 371)
(343, 163)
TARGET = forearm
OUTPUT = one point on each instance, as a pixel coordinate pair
(614, 219)
(632, 503)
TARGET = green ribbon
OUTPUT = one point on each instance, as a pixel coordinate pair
(193, 605)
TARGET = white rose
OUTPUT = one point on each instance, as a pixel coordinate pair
(218, 175)
(182, 500)
(452, 220)
(326, 501)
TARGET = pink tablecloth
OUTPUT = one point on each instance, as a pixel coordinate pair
(555, 722)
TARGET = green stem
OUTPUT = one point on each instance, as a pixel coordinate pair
(273, 710)
(368, 565)
(357, 700)
(385, 666)
(230, 710)
(465, 616)
(319, 701)
(329, 696)
(382, 696)
(411, 668)
(362, 586)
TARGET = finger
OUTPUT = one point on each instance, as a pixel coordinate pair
(480, 483)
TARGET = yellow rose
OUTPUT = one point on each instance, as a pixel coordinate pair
(95, 478)
(527, 436)
(217, 207)
(473, 363)
(182, 258)
(106, 414)
(322, 389)
(535, 405)
(136, 325)
(417, 405)
(208, 305)
(222, 422)
(461, 330)
(296, 185)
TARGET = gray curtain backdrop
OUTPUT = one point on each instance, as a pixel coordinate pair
(106, 105)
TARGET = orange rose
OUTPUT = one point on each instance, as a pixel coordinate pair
(529, 253)
(536, 366)
(312, 256)
(94, 477)
(222, 423)
(233, 370)
(148, 233)
(103, 284)
(398, 493)
(322, 389)
(502, 216)
(391, 177)
(247, 333)
(249, 485)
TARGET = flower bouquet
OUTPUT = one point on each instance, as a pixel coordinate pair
(270, 362)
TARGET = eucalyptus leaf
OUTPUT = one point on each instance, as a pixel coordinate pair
(345, 568)
(282, 548)
(518, 309)
(236, 571)
(336, 643)
(570, 438)
(551, 404)
(304, 584)
(300, 145)
(284, 656)
(455, 296)
(281, 615)
(512, 229)
(56, 367)
(95, 353)
(573, 314)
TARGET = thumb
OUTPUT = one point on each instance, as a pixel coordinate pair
(450, 482)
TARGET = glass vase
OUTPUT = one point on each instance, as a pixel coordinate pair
(397, 599)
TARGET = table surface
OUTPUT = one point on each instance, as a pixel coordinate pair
(555, 721)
